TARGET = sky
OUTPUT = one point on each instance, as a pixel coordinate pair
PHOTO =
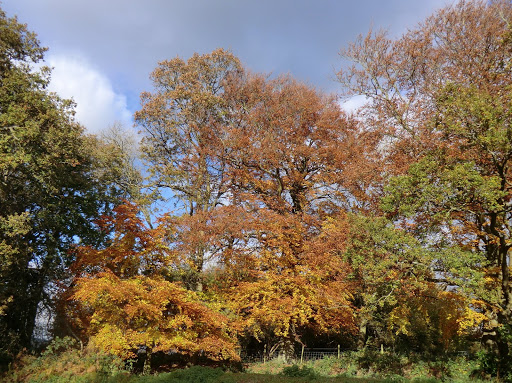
(103, 51)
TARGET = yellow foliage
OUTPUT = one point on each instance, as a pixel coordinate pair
(121, 310)
(470, 320)
(151, 312)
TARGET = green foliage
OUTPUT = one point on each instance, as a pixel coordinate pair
(383, 364)
(437, 189)
(395, 292)
(17, 43)
(299, 371)
(379, 366)
(274, 152)
(490, 362)
(63, 361)
(45, 190)
(58, 346)
(54, 182)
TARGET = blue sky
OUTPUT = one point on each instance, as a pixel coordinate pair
(102, 51)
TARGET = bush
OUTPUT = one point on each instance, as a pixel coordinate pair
(489, 364)
(63, 361)
(299, 372)
(384, 364)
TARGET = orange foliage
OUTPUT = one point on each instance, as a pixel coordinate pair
(127, 314)
(287, 147)
(125, 303)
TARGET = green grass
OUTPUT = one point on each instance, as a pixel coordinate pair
(206, 375)
(64, 363)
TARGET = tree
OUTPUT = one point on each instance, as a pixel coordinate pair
(182, 127)
(17, 44)
(259, 164)
(286, 147)
(121, 301)
(440, 96)
(117, 155)
(48, 191)
(287, 283)
(398, 300)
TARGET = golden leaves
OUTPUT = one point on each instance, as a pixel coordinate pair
(129, 304)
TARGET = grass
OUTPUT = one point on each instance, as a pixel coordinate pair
(207, 375)
(64, 363)
(381, 366)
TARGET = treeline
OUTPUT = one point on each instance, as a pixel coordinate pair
(289, 221)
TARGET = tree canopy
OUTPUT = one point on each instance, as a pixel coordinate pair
(439, 99)
(50, 189)
(286, 220)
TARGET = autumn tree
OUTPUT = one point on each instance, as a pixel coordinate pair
(121, 301)
(286, 147)
(439, 99)
(181, 123)
(258, 164)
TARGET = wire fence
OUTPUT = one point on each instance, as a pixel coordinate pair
(253, 356)
(307, 354)
(318, 353)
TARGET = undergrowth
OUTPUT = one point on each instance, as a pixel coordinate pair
(65, 362)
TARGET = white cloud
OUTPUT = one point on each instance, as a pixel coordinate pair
(98, 105)
(354, 103)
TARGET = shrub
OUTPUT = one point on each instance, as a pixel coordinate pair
(62, 361)
(295, 371)
(384, 364)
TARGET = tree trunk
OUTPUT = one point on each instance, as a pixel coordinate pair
(287, 352)
(505, 316)
(495, 338)
(363, 334)
(146, 369)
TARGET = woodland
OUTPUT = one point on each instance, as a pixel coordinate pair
(254, 215)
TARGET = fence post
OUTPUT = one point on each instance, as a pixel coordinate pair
(302, 355)
(338, 351)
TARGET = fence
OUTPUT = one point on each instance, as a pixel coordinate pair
(306, 354)
(318, 353)
(253, 356)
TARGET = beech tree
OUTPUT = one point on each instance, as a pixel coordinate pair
(439, 99)
(121, 301)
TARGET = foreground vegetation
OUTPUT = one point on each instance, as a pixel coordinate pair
(63, 362)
